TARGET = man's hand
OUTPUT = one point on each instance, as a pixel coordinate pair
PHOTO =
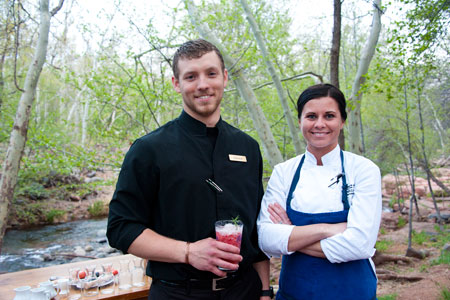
(209, 254)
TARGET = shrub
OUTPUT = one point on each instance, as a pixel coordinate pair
(97, 209)
(54, 213)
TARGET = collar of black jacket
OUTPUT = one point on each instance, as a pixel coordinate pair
(194, 125)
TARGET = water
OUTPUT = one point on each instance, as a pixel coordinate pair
(43, 246)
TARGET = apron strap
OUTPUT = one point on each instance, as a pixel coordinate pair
(344, 184)
(294, 182)
(297, 177)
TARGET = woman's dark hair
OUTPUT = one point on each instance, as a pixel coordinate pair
(194, 49)
(319, 91)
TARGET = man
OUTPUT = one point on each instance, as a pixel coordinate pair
(178, 180)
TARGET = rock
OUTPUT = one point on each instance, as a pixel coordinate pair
(74, 198)
(446, 247)
(88, 248)
(421, 191)
(101, 232)
(445, 217)
(420, 254)
(100, 255)
(93, 179)
(47, 257)
(107, 249)
(101, 240)
(389, 220)
(79, 251)
(91, 174)
(77, 259)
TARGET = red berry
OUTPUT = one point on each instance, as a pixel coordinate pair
(115, 272)
(82, 274)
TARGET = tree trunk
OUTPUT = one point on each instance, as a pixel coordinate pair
(411, 163)
(293, 126)
(335, 44)
(262, 127)
(334, 56)
(425, 160)
(19, 132)
(84, 121)
(363, 67)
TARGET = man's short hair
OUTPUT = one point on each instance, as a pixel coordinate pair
(194, 49)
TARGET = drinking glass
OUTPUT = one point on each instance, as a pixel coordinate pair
(107, 279)
(89, 282)
(137, 272)
(124, 275)
(230, 232)
(63, 287)
(74, 284)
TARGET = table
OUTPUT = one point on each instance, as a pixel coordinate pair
(32, 277)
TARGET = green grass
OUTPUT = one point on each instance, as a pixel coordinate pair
(383, 245)
(401, 222)
(437, 240)
(97, 209)
(420, 238)
(445, 294)
(387, 297)
(54, 213)
(444, 258)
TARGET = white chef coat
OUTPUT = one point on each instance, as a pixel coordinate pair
(312, 195)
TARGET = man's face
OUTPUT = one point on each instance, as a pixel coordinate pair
(201, 83)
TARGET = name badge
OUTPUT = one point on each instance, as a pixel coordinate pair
(240, 158)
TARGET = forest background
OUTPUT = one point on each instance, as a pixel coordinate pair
(106, 80)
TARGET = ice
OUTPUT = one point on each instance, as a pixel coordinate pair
(229, 229)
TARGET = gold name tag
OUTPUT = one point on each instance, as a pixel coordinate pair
(234, 157)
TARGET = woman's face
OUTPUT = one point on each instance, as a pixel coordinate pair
(320, 123)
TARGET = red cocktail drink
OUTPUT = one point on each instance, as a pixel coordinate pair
(230, 232)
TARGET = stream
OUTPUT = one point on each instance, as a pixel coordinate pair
(43, 246)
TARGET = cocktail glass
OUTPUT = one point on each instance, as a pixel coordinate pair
(230, 232)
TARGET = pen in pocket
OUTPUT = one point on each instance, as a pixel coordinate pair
(214, 185)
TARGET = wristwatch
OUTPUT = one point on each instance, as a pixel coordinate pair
(268, 292)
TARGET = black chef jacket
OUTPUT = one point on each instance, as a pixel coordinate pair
(162, 186)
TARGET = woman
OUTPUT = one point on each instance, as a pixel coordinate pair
(322, 209)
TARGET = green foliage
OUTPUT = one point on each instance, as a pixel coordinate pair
(388, 297)
(34, 190)
(437, 240)
(97, 209)
(53, 214)
(444, 258)
(30, 212)
(445, 294)
(420, 238)
(401, 222)
(423, 268)
(383, 245)
(427, 21)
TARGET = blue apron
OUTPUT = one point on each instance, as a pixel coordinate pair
(306, 277)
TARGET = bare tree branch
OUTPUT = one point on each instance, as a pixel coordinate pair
(295, 77)
(57, 8)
